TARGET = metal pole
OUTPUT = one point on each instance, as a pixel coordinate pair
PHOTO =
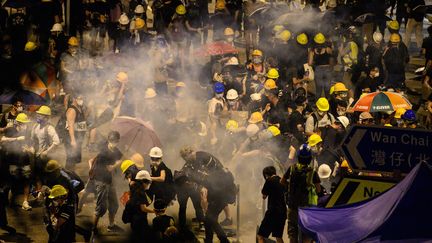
(67, 13)
(238, 214)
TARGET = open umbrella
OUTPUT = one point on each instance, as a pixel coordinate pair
(215, 49)
(41, 80)
(135, 134)
(381, 101)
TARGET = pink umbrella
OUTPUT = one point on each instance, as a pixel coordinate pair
(135, 134)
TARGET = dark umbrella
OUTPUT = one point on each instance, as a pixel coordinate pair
(135, 134)
(29, 98)
(17, 4)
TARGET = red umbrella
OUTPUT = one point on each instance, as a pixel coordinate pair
(135, 134)
(215, 49)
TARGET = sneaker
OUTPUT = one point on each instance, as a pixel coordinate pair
(114, 228)
(226, 222)
(26, 206)
(9, 229)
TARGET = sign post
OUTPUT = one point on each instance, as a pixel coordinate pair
(388, 149)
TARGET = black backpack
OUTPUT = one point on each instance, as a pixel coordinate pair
(225, 185)
(60, 128)
(297, 187)
(127, 213)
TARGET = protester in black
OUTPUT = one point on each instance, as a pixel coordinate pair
(275, 216)
(163, 225)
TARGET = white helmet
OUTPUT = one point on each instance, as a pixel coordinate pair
(324, 171)
(377, 37)
(57, 27)
(343, 120)
(156, 152)
(124, 20)
(255, 96)
(232, 61)
(139, 9)
(232, 94)
(143, 175)
(252, 130)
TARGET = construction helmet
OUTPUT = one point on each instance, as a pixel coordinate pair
(155, 152)
(122, 77)
(180, 85)
(139, 9)
(302, 39)
(139, 23)
(22, 117)
(232, 61)
(409, 115)
(181, 10)
(232, 94)
(252, 130)
(270, 84)
(278, 28)
(143, 175)
(304, 154)
(57, 191)
(73, 41)
(220, 5)
(388, 125)
(319, 38)
(124, 19)
(344, 121)
(394, 25)
(57, 27)
(323, 104)
(331, 91)
(339, 87)
(324, 171)
(126, 164)
(228, 31)
(44, 110)
(30, 46)
(284, 35)
(274, 130)
(399, 112)
(231, 125)
(255, 96)
(256, 117)
(395, 38)
(314, 139)
(52, 165)
(219, 87)
(377, 37)
(149, 93)
(257, 52)
(273, 73)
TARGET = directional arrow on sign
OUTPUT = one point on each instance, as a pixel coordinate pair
(377, 148)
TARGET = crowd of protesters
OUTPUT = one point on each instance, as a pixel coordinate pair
(284, 110)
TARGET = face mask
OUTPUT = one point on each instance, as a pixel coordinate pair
(219, 96)
(147, 186)
(257, 60)
(341, 113)
(55, 203)
(80, 102)
(112, 145)
(19, 109)
(230, 39)
(73, 51)
(343, 95)
(376, 75)
(321, 113)
(232, 102)
(40, 120)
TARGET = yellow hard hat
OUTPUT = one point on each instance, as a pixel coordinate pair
(125, 165)
(57, 191)
(314, 139)
(228, 31)
(257, 52)
(220, 5)
(319, 38)
(395, 38)
(331, 89)
(231, 125)
(139, 23)
(302, 39)
(73, 41)
(256, 117)
(44, 110)
(278, 28)
(394, 25)
(284, 35)
(399, 112)
(149, 93)
(180, 84)
(30, 46)
(273, 73)
(388, 125)
(122, 77)
(22, 117)
(52, 165)
(181, 10)
(323, 104)
(339, 87)
(274, 130)
(270, 84)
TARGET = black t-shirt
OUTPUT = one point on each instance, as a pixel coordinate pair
(193, 16)
(66, 233)
(7, 118)
(416, 14)
(275, 192)
(13, 150)
(138, 198)
(427, 45)
(207, 161)
(162, 222)
(103, 159)
(277, 113)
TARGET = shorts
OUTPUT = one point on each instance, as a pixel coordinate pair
(20, 171)
(106, 199)
(273, 223)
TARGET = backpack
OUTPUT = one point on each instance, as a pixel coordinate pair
(60, 128)
(298, 187)
(127, 213)
(76, 182)
(227, 186)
